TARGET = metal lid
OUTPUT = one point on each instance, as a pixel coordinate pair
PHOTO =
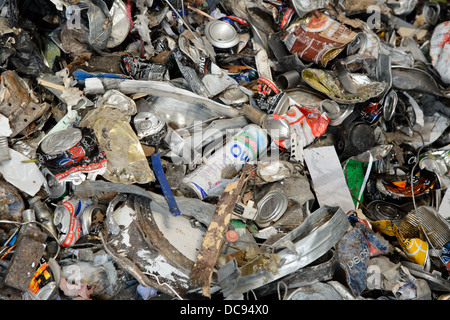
(271, 207)
(381, 210)
(60, 141)
(221, 34)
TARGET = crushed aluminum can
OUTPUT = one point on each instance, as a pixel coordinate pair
(67, 221)
(151, 128)
(56, 189)
(431, 12)
(372, 112)
(267, 87)
(274, 170)
(307, 124)
(83, 156)
(140, 69)
(354, 251)
(383, 210)
(402, 7)
(121, 24)
(241, 25)
(416, 249)
(396, 188)
(60, 141)
(327, 82)
(317, 38)
(245, 146)
(365, 43)
(330, 290)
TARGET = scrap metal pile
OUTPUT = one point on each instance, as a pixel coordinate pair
(224, 149)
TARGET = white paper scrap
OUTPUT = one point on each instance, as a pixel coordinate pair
(5, 129)
(25, 176)
(328, 178)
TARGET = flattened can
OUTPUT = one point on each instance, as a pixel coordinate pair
(245, 146)
(317, 38)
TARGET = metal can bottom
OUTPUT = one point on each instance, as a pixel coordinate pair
(192, 190)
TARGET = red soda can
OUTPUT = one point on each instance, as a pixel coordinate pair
(67, 223)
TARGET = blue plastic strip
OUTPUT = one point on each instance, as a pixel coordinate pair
(82, 75)
(159, 172)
